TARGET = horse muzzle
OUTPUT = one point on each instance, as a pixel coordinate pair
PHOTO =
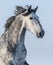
(41, 34)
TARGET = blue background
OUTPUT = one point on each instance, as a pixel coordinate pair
(40, 51)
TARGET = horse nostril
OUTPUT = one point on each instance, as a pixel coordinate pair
(40, 34)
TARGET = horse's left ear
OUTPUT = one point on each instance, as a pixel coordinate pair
(36, 9)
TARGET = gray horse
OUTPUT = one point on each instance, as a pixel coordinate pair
(12, 48)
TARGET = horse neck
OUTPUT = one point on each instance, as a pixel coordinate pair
(22, 35)
(16, 33)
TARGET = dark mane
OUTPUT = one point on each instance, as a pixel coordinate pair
(19, 10)
(9, 22)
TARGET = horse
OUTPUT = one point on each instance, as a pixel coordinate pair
(12, 47)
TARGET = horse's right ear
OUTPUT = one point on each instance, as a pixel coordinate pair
(29, 8)
(36, 9)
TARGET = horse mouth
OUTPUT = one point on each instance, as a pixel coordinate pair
(39, 36)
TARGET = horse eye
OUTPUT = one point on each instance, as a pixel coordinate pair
(31, 18)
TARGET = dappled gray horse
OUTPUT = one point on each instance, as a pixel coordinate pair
(12, 48)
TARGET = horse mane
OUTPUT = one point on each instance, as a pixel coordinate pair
(9, 22)
(19, 10)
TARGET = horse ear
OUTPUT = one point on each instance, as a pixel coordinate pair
(29, 8)
(36, 9)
